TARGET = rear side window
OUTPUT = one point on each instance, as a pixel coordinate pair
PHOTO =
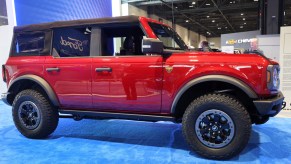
(29, 43)
(71, 42)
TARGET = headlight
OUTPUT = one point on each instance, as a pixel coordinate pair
(273, 79)
(276, 78)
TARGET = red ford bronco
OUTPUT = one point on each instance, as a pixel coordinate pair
(137, 68)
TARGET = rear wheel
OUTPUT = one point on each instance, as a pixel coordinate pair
(33, 115)
(216, 126)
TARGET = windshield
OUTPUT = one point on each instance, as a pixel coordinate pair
(168, 36)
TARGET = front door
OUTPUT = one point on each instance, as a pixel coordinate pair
(129, 83)
(123, 78)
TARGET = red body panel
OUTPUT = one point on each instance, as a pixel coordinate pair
(18, 66)
(251, 69)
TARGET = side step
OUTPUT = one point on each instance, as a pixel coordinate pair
(78, 115)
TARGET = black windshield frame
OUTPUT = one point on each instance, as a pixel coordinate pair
(169, 32)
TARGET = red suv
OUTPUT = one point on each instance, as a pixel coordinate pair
(137, 68)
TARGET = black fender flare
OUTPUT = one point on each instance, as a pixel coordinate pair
(40, 81)
(222, 78)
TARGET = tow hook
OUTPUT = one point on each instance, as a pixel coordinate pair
(77, 117)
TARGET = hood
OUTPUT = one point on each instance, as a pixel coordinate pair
(220, 57)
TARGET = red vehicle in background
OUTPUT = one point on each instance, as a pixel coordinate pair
(137, 68)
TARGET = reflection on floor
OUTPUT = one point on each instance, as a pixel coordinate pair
(121, 141)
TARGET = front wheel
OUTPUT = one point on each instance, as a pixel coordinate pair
(216, 126)
(33, 115)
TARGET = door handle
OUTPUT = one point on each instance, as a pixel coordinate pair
(104, 69)
(52, 69)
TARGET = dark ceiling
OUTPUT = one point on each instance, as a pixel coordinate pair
(210, 17)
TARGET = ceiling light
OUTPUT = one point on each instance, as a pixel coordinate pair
(244, 18)
(187, 21)
(213, 21)
(225, 27)
(245, 23)
(207, 4)
(191, 6)
(176, 7)
(219, 28)
(193, 3)
(256, 0)
(230, 2)
(284, 13)
(207, 16)
(241, 27)
(242, 14)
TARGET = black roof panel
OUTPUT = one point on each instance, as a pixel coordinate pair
(80, 22)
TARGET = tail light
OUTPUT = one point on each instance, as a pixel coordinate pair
(3, 73)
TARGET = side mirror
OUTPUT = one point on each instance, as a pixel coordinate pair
(152, 46)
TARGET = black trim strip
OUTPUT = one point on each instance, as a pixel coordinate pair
(44, 84)
(139, 117)
(236, 82)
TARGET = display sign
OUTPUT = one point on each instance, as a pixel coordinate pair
(240, 41)
(285, 60)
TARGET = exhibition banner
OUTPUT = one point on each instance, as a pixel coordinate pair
(285, 63)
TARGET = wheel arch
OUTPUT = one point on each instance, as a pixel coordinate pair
(28, 81)
(244, 88)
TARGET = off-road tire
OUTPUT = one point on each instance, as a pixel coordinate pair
(228, 105)
(48, 115)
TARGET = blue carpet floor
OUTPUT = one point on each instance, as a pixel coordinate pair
(121, 141)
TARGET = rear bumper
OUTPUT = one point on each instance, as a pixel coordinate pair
(270, 107)
(4, 98)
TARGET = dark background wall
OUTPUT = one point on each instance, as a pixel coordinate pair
(36, 11)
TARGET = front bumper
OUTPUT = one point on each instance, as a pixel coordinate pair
(4, 98)
(270, 107)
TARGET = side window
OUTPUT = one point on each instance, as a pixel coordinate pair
(71, 42)
(122, 40)
(29, 43)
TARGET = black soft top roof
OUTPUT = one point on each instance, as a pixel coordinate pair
(80, 22)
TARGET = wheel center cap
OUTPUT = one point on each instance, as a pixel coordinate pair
(214, 128)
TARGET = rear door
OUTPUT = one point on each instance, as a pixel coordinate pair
(68, 71)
